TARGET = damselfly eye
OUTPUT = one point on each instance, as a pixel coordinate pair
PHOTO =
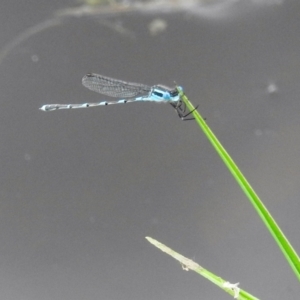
(173, 93)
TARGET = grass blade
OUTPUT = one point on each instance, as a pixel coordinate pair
(281, 240)
(188, 264)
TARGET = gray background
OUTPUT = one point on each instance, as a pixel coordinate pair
(79, 190)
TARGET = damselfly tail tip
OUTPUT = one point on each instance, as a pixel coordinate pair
(47, 108)
(43, 108)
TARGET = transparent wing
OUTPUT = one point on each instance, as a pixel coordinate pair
(114, 87)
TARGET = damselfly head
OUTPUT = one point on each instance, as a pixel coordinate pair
(174, 92)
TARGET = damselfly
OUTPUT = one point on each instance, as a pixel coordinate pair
(132, 92)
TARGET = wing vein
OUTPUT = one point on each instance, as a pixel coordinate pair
(114, 87)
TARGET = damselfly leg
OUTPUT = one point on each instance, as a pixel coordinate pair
(180, 108)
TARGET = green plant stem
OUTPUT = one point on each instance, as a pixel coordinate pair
(188, 264)
(281, 240)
